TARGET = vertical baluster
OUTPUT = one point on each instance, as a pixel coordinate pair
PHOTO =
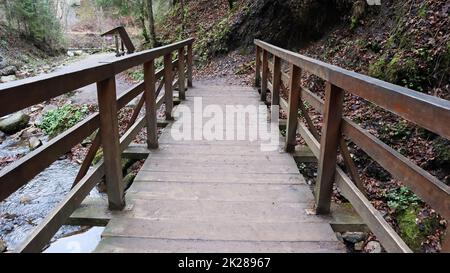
(294, 97)
(150, 104)
(334, 99)
(276, 80)
(258, 67)
(168, 78)
(190, 65)
(181, 74)
(264, 79)
(109, 130)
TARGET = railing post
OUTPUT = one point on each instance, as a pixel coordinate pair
(334, 99)
(258, 67)
(190, 65)
(276, 80)
(264, 79)
(181, 75)
(150, 104)
(168, 78)
(109, 130)
(294, 97)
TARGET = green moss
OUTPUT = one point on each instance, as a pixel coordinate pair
(376, 69)
(409, 230)
(442, 150)
(423, 10)
(98, 156)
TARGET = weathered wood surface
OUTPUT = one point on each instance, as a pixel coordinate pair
(218, 196)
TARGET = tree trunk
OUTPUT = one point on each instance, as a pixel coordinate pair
(182, 18)
(144, 26)
(151, 24)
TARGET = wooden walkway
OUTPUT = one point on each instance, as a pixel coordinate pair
(218, 196)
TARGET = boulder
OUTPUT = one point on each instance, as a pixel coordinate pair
(354, 237)
(8, 71)
(359, 246)
(34, 143)
(373, 247)
(5, 79)
(14, 122)
(3, 247)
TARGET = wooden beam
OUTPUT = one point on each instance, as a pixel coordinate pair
(190, 65)
(334, 98)
(42, 88)
(422, 183)
(109, 130)
(181, 74)
(294, 96)
(168, 93)
(150, 104)
(427, 111)
(264, 77)
(258, 67)
(21, 171)
(45, 231)
(276, 81)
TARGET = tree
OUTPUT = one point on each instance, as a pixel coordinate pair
(141, 10)
(36, 20)
(151, 24)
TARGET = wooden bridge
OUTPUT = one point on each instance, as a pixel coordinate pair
(205, 195)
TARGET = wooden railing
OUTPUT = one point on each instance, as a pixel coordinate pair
(426, 111)
(21, 94)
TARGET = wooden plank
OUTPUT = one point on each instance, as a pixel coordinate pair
(426, 186)
(168, 93)
(190, 65)
(264, 77)
(45, 231)
(136, 151)
(17, 174)
(181, 74)
(250, 192)
(350, 165)
(93, 211)
(220, 177)
(109, 132)
(385, 233)
(276, 81)
(304, 154)
(294, 96)
(150, 105)
(370, 215)
(427, 111)
(145, 245)
(42, 88)
(334, 98)
(225, 231)
(258, 67)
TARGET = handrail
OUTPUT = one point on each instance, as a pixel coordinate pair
(427, 111)
(37, 89)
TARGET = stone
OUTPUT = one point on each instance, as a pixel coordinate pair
(47, 108)
(5, 79)
(359, 246)
(13, 123)
(373, 247)
(34, 143)
(8, 71)
(339, 237)
(25, 200)
(354, 237)
(78, 52)
(70, 54)
(3, 246)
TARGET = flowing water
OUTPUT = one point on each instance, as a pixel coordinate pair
(21, 212)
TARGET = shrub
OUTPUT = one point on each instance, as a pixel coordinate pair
(57, 121)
